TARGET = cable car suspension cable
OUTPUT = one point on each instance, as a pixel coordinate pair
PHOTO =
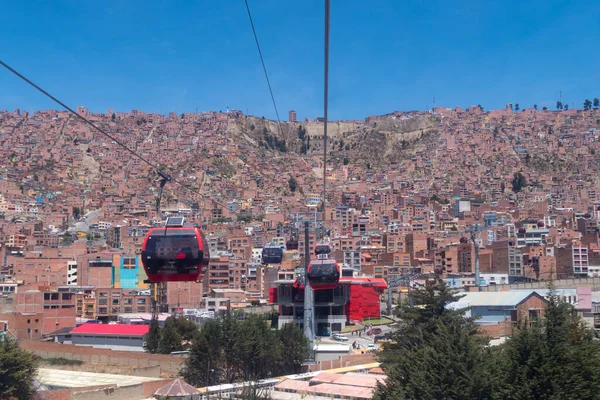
(264, 67)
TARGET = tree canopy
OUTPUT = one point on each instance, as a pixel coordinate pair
(17, 371)
(518, 182)
(438, 353)
(230, 350)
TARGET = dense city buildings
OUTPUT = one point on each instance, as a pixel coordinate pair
(403, 190)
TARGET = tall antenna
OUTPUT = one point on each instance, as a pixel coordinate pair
(326, 92)
(561, 96)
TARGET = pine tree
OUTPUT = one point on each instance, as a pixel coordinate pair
(203, 367)
(152, 338)
(18, 369)
(436, 353)
(518, 182)
(295, 348)
(170, 339)
(258, 348)
(292, 184)
(556, 358)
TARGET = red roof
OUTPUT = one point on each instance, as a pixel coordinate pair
(116, 329)
(378, 283)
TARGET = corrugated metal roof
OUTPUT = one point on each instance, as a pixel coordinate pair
(114, 329)
(495, 299)
(177, 388)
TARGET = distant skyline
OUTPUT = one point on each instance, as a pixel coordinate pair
(386, 55)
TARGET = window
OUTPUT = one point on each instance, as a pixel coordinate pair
(115, 301)
(102, 302)
(128, 301)
(103, 310)
(141, 309)
(141, 301)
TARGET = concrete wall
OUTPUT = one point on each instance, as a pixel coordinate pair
(169, 365)
(134, 392)
(344, 361)
(114, 393)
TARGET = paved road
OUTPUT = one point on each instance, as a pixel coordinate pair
(364, 340)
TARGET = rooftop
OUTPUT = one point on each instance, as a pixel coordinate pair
(108, 329)
(63, 379)
(482, 299)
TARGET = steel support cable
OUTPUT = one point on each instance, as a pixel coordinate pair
(88, 122)
(264, 67)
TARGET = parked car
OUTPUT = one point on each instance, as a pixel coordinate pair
(387, 336)
(374, 331)
(339, 338)
(371, 346)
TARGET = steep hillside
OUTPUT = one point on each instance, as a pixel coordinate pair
(379, 140)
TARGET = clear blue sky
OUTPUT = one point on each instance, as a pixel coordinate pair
(386, 55)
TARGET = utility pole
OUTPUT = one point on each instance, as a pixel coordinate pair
(325, 107)
(309, 331)
(561, 96)
(397, 281)
(474, 230)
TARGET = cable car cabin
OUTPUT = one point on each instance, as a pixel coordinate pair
(175, 254)
(323, 248)
(323, 274)
(272, 254)
(292, 244)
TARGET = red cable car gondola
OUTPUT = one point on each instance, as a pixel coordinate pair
(323, 248)
(323, 274)
(292, 244)
(175, 253)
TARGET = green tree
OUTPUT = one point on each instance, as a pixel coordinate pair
(346, 161)
(76, 212)
(258, 348)
(552, 358)
(292, 184)
(566, 107)
(170, 338)
(517, 107)
(230, 331)
(113, 117)
(587, 104)
(152, 338)
(243, 218)
(295, 348)
(18, 369)
(436, 353)
(203, 367)
(559, 105)
(596, 102)
(535, 107)
(518, 182)
(544, 108)
(186, 329)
